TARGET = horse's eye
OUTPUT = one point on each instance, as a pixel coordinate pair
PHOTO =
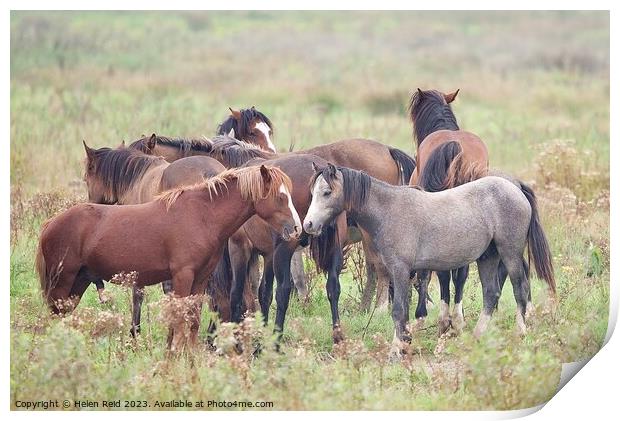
(327, 193)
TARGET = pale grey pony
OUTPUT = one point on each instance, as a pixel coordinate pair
(489, 219)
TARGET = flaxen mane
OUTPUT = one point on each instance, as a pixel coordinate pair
(356, 184)
(242, 126)
(429, 112)
(119, 169)
(250, 181)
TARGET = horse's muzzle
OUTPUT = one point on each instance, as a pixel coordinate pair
(312, 229)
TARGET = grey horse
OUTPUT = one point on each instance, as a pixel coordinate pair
(489, 219)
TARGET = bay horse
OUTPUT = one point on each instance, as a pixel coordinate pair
(492, 218)
(126, 177)
(250, 126)
(446, 157)
(179, 236)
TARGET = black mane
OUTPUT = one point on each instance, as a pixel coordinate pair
(429, 112)
(185, 146)
(119, 168)
(356, 184)
(242, 127)
(235, 153)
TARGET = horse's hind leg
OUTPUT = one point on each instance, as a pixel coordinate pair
(103, 298)
(400, 308)
(422, 278)
(459, 277)
(239, 259)
(444, 309)
(487, 268)
(137, 299)
(520, 287)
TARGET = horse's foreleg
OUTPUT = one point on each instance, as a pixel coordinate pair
(182, 283)
(300, 278)
(333, 292)
(239, 259)
(265, 291)
(282, 269)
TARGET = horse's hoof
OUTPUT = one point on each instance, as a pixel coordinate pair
(103, 297)
(444, 326)
(337, 335)
(458, 323)
(134, 331)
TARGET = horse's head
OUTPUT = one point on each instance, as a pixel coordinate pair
(334, 190)
(328, 201)
(251, 126)
(275, 205)
(97, 190)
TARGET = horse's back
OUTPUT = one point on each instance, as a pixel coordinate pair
(190, 170)
(366, 155)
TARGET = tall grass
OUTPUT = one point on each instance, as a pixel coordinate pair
(534, 86)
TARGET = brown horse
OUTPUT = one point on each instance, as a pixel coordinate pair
(179, 236)
(446, 157)
(127, 177)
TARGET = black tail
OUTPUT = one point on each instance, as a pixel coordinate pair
(405, 164)
(219, 286)
(323, 246)
(435, 172)
(538, 246)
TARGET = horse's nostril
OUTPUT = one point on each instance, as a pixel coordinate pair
(308, 224)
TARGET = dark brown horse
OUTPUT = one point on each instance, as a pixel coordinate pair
(179, 236)
(446, 157)
(127, 177)
(250, 126)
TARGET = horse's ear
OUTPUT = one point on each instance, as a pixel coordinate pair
(264, 172)
(122, 145)
(315, 167)
(235, 113)
(231, 133)
(331, 169)
(151, 142)
(451, 97)
(420, 91)
(90, 153)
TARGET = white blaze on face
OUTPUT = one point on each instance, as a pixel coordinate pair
(264, 128)
(284, 190)
(314, 202)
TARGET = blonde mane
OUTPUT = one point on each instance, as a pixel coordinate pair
(250, 181)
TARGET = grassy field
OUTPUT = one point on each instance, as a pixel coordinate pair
(534, 86)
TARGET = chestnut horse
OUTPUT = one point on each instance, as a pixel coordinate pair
(446, 157)
(127, 177)
(179, 236)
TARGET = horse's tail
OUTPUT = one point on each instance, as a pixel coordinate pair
(538, 246)
(461, 171)
(322, 246)
(219, 287)
(437, 167)
(405, 164)
(41, 266)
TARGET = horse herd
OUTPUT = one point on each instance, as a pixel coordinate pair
(196, 214)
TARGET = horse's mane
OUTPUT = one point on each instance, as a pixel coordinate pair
(119, 169)
(355, 186)
(184, 145)
(242, 126)
(250, 181)
(429, 112)
(235, 153)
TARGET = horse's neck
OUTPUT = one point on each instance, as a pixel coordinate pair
(145, 189)
(228, 210)
(371, 214)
